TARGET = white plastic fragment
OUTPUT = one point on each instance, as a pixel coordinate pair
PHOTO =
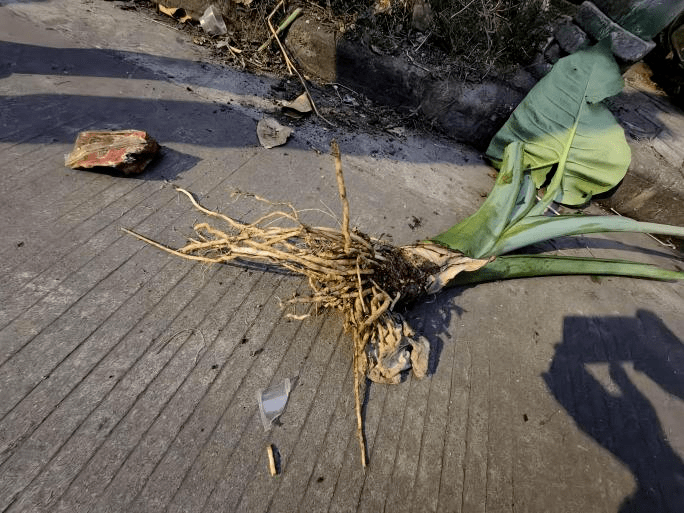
(212, 21)
(272, 402)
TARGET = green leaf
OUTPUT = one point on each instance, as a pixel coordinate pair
(478, 234)
(562, 123)
(525, 201)
(526, 266)
(533, 229)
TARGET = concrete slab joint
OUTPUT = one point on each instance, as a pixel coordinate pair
(625, 45)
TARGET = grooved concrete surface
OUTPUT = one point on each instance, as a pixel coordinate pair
(128, 377)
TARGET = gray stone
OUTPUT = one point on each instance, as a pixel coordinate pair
(314, 47)
(553, 52)
(570, 37)
(469, 111)
(625, 45)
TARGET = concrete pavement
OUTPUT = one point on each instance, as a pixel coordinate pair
(128, 377)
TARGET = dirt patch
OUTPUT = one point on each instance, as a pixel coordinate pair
(471, 51)
(667, 73)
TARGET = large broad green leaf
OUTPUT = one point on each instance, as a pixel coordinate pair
(562, 123)
(559, 126)
(479, 233)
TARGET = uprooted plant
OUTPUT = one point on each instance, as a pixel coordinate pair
(364, 278)
(560, 136)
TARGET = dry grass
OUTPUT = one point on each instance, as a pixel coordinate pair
(481, 34)
(491, 32)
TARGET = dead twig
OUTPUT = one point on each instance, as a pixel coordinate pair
(343, 195)
(281, 27)
(415, 63)
(274, 35)
(291, 67)
(271, 460)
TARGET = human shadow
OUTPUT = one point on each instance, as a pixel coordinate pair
(29, 59)
(625, 422)
(53, 117)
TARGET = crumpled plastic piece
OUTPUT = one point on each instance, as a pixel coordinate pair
(298, 107)
(272, 402)
(420, 356)
(389, 367)
(212, 22)
(402, 350)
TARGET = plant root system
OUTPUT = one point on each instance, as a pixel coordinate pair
(346, 270)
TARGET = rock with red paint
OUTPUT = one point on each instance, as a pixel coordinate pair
(127, 151)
